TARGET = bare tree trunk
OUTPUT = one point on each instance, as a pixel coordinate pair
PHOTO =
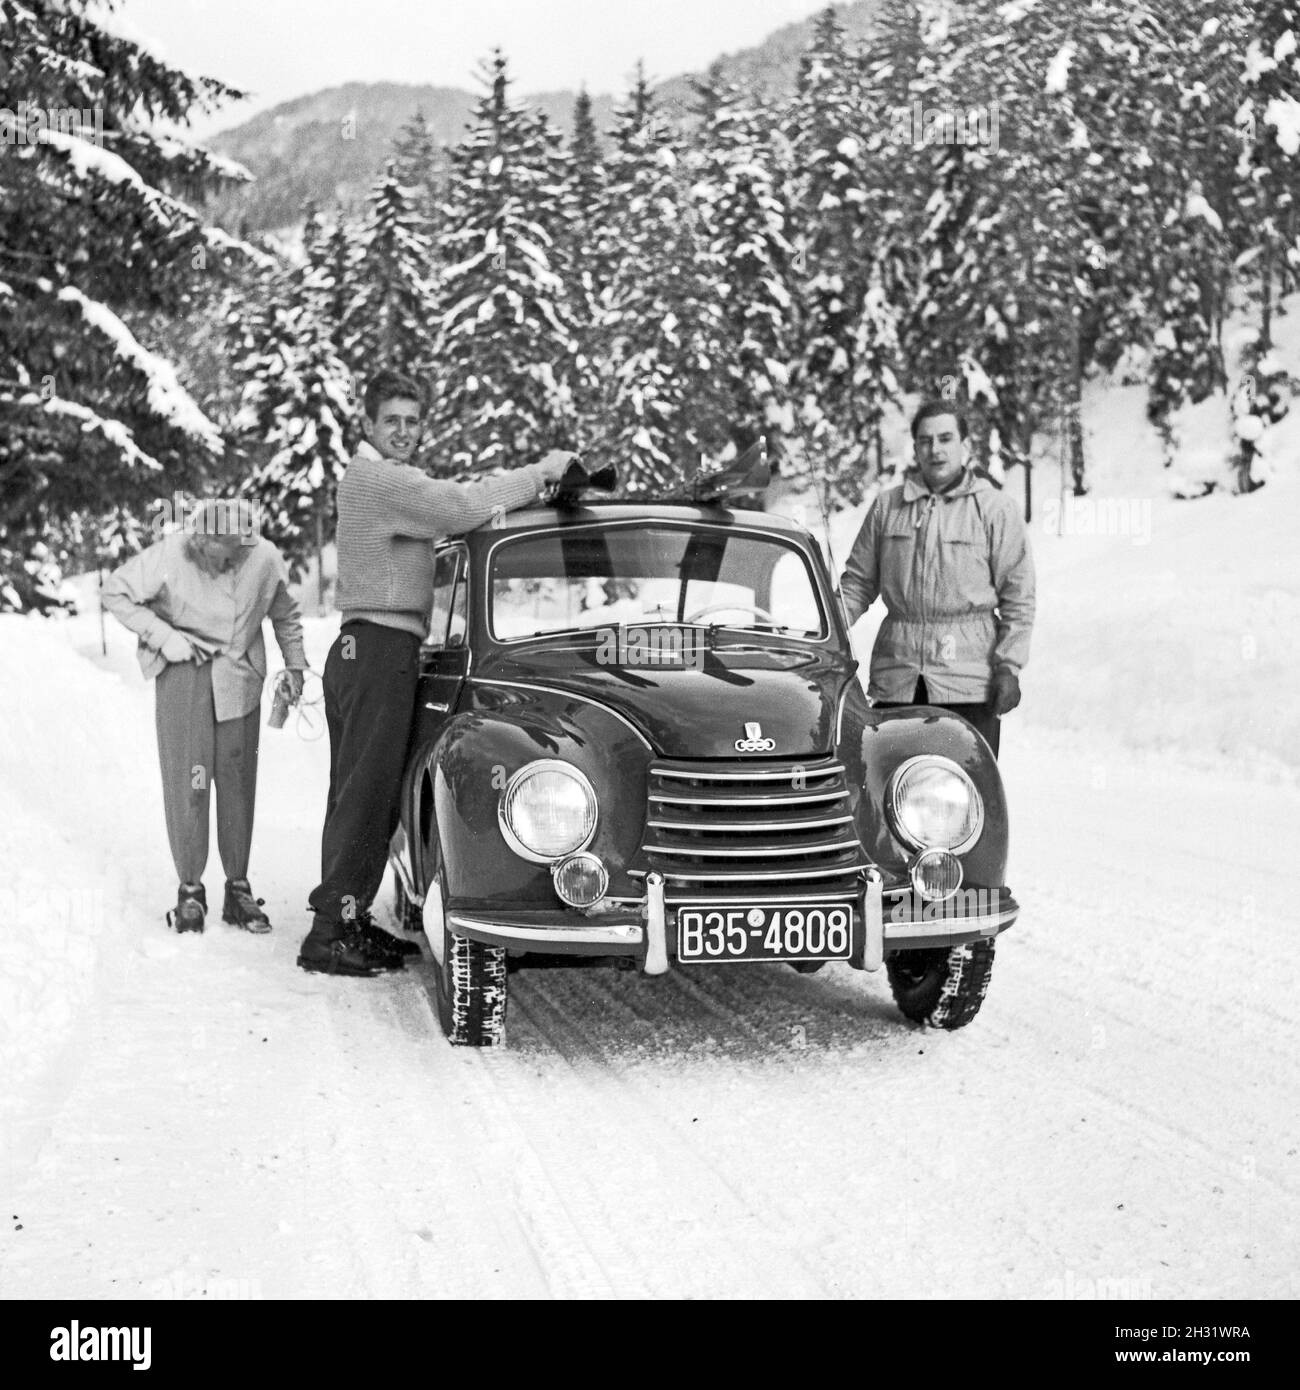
(1074, 416)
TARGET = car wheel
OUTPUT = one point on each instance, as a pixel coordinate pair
(469, 980)
(410, 916)
(943, 987)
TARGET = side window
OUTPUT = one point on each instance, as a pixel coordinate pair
(446, 574)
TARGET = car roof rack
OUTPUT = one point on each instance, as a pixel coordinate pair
(717, 485)
(722, 484)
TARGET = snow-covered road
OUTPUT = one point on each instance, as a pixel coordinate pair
(1121, 1119)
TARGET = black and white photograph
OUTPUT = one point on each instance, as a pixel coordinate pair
(649, 651)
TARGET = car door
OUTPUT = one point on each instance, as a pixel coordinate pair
(444, 657)
(444, 664)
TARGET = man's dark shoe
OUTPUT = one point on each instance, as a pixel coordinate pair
(384, 949)
(242, 909)
(376, 934)
(345, 954)
(191, 908)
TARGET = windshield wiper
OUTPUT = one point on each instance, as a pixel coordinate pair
(759, 627)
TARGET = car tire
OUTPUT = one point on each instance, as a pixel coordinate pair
(410, 916)
(470, 988)
(941, 987)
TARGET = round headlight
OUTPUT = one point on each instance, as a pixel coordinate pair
(933, 804)
(547, 810)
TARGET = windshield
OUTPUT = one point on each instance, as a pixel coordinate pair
(594, 577)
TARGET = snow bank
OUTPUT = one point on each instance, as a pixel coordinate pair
(88, 876)
(77, 776)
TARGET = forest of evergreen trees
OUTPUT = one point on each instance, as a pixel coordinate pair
(991, 202)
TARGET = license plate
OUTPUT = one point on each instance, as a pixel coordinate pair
(779, 931)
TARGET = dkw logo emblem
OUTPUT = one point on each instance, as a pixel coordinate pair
(754, 742)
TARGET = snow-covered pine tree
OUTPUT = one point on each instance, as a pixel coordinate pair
(740, 196)
(504, 350)
(97, 236)
(836, 149)
(387, 319)
(1186, 360)
(415, 161)
(1265, 100)
(331, 252)
(661, 331)
(1044, 252)
(578, 246)
(297, 405)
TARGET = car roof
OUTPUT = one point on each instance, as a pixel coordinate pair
(533, 518)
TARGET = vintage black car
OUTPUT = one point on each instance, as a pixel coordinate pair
(641, 740)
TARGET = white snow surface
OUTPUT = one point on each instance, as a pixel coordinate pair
(1124, 1114)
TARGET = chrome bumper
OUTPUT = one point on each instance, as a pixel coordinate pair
(647, 931)
(538, 938)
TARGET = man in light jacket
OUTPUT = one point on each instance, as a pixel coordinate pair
(197, 599)
(949, 554)
(389, 514)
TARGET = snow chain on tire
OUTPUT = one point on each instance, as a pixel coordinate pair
(409, 916)
(474, 990)
(950, 991)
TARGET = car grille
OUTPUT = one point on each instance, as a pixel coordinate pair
(745, 832)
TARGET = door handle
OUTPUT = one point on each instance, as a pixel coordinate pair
(438, 706)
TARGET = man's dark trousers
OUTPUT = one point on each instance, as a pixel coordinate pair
(370, 682)
(980, 715)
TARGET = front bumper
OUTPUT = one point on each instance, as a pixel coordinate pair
(884, 920)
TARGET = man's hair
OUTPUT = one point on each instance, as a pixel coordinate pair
(388, 386)
(929, 409)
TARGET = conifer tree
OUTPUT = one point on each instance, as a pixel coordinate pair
(665, 406)
(100, 234)
(505, 346)
(387, 319)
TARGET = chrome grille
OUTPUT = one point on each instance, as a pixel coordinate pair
(744, 832)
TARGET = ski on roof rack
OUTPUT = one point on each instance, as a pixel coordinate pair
(719, 484)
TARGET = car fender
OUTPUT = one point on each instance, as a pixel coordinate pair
(499, 730)
(874, 743)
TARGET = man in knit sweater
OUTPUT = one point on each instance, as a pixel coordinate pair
(389, 513)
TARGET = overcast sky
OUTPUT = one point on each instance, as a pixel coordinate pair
(280, 49)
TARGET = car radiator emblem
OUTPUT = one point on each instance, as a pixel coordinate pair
(754, 742)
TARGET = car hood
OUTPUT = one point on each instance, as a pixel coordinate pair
(701, 710)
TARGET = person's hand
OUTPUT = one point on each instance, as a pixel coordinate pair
(1004, 694)
(293, 681)
(177, 647)
(555, 464)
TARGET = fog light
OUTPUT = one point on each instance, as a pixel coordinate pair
(580, 880)
(936, 874)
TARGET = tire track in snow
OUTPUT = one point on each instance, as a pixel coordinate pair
(731, 1261)
(484, 1201)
